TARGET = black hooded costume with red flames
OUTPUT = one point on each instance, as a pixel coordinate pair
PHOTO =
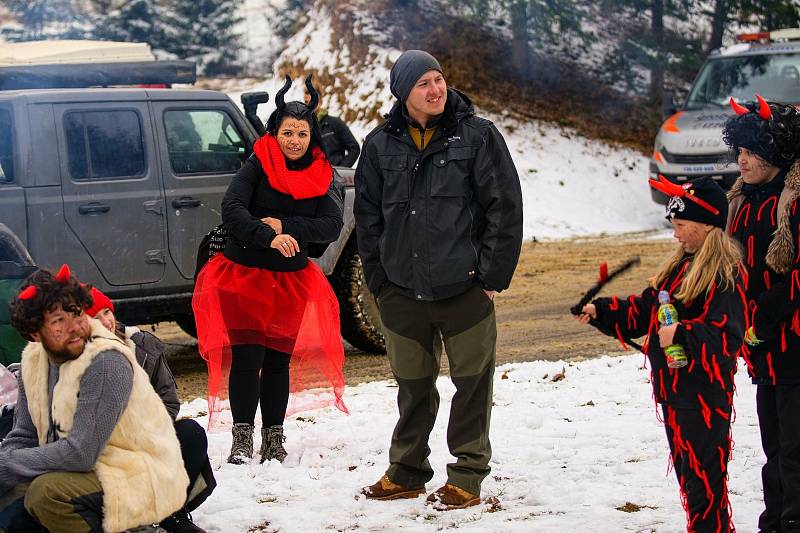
(765, 218)
(696, 400)
(251, 294)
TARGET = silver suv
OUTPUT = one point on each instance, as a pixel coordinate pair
(689, 143)
(123, 183)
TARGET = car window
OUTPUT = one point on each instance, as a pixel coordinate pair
(201, 142)
(773, 76)
(6, 147)
(104, 145)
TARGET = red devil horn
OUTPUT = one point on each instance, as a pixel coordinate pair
(603, 272)
(667, 187)
(29, 292)
(763, 108)
(63, 274)
(739, 109)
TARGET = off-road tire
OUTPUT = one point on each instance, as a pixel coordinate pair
(187, 324)
(361, 321)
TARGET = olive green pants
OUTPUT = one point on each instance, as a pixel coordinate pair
(414, 332)
(63, 502)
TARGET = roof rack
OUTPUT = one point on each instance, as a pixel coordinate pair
(80, 75)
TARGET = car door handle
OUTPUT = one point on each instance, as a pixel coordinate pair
(93, 207)
(186, 201)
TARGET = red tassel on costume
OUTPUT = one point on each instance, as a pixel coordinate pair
(774, 201)
(783, 337)
(63, 274)
(796, 323)
(620, 338)
(795, 281)
(614, 305)
(705, 410)
(744, 211)
(771, 369)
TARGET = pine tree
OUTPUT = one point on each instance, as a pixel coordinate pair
(135, 21)
(204, 31)
(41, 18)
(531, 22)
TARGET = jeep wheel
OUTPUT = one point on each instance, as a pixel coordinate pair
(361, 321)
(186, 323)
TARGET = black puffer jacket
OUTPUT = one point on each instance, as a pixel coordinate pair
(435, 222)
(250, 198)
(711, 332)
(773, 297)
(340, 146)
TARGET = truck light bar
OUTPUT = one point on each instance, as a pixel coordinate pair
(787, 34)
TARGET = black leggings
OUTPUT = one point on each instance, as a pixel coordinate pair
(246, 388)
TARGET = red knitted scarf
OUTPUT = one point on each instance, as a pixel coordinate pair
(312, 181)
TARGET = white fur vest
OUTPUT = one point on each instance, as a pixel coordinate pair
(140, 468)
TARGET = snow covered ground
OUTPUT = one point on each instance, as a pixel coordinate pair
(568, 453)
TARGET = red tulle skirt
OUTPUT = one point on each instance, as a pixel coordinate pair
(291, 312)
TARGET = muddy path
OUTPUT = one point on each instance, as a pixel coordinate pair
(533, 315)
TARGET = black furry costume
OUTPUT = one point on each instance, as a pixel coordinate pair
(764, 218)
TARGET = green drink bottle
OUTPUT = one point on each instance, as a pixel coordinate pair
(668, 315)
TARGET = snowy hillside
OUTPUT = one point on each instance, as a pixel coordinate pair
(572, 185)
(584, 453)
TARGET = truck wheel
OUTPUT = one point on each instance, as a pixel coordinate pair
(186, 323)
(361, 321)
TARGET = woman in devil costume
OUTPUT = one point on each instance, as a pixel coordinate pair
(763, 216)
(267, 319)
(702, 279)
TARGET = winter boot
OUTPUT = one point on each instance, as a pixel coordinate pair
(451, 497)
(272, 440)
(386, 489)
(242, 445)
(180, 522)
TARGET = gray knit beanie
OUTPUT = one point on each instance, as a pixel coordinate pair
(409, 68)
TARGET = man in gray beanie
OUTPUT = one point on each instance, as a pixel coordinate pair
(439, 224)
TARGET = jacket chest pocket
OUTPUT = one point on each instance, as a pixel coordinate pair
(394, 169)
(452, 171)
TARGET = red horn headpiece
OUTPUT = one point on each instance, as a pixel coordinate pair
(63, 274)
(28, 293)
(673, 189)
(739, 109)
(763, 108)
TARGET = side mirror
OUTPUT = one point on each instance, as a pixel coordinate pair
(668, 106)
(250, 102)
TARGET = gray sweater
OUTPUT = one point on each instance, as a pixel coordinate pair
(104, 391)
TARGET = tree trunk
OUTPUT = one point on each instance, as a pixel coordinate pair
(520, 58)
(657, 69)
(718, 22)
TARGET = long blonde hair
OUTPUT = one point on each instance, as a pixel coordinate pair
(717, 260)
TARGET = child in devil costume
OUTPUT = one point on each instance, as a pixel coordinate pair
(763, 216)
(702, 279)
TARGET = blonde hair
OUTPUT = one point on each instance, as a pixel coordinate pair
(717, 261)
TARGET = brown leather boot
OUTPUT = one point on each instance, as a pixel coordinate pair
(451, 497)
(386, 489)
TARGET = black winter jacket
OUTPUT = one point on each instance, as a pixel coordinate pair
(711, 331)
(773, 299)
(250, 198)
(340, 146)
(434, 222)
(150, 356)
